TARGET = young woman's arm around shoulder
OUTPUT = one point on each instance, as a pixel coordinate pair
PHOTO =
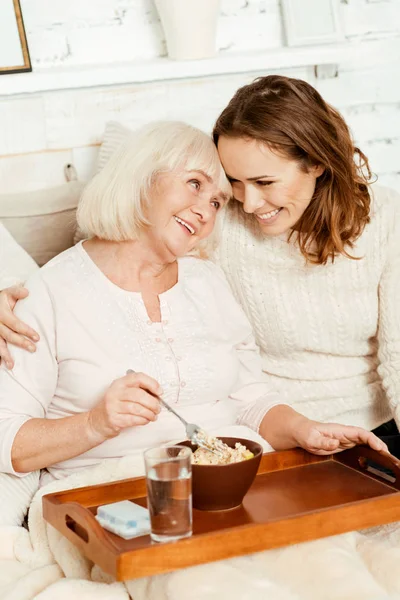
(15, 267)
(15, 264)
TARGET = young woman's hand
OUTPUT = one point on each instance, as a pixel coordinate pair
(12, 330)
(329, 438)
(129, 401)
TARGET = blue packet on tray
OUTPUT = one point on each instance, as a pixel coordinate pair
(125, 518)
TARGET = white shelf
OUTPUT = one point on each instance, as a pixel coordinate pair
(158, 69)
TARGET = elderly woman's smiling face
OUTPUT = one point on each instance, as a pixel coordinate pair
(183, 209)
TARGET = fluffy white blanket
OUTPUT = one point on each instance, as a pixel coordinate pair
(40, 564)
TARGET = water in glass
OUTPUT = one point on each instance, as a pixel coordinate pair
(169, 492)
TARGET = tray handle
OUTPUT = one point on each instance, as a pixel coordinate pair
(382, 465)
(80, 523)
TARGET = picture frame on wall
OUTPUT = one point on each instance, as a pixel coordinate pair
(14, 53)
(309, 22)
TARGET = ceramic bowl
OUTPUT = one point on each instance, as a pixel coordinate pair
(221, 487)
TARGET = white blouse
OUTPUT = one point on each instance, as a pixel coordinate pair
(202, 353)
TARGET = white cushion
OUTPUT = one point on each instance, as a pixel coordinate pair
(43, 221)
(114, 136)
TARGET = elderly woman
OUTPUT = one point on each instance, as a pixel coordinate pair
(130, 298)
(312, 252)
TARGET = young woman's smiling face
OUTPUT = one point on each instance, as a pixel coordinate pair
(271, 187)
(183, 209)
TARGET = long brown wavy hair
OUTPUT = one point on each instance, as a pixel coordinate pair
(291, 117)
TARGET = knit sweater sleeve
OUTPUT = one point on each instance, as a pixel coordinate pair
(389, 313)
(255, 397)
(252, 393)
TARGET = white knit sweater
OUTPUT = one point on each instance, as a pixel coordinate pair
(329, 335)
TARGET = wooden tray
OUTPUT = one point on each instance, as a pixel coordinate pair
(295, 497)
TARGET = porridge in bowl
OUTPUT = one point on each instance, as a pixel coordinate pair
(225, 456)
(218, 485)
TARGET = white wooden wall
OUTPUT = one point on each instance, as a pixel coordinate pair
(41, 132)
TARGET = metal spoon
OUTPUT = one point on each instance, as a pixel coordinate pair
(194, 433)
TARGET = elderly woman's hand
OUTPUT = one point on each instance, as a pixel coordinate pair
(129, 401)
(12, 330)
(329, 438)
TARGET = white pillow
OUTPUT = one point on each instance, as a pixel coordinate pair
(43, 221)
(115, 135)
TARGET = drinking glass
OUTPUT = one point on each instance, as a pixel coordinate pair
(169, 492)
